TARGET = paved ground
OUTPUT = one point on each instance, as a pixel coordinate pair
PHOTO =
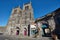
(15, 38)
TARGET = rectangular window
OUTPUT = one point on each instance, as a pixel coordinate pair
(30, 16)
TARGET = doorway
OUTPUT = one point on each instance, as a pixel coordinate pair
(17, 32)
(25, 32)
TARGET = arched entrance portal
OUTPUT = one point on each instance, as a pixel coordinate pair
(17, 31)
(45, 29)
(25, 32)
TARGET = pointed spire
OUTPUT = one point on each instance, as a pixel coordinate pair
(30, 2)
(19, 6)
(23, 4)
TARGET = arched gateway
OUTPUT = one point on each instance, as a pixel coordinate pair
(17, 30)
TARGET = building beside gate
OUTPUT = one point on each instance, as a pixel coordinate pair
(19, 20)
(50, 22)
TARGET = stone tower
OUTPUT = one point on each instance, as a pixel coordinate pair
(27, 17)
(14, 20)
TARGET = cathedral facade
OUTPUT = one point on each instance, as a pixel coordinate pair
(20, 19)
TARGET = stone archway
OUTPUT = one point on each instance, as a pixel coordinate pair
(46, 30)
(17, 30)
(25, 31)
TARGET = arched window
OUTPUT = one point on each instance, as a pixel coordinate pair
(17, 28)
(27, 7)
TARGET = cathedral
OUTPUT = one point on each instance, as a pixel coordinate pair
(20, 19)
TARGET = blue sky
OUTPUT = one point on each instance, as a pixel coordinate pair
(41, 8)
